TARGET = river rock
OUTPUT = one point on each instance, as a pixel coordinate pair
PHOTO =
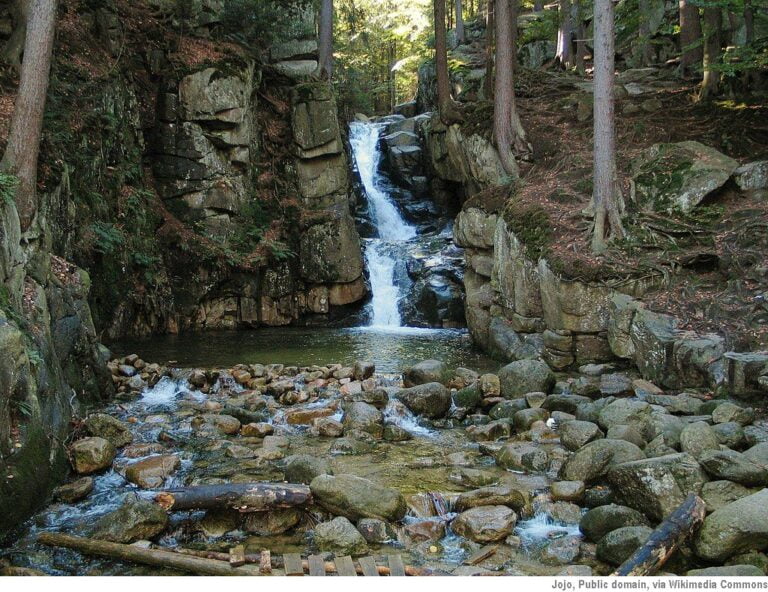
(593, 460)
(507, 409)
(427, 371)
(727, 412)
(375, 531)
(490, 385)
(340, 536)
(395, 433)
(303, 468)
(498, 495)
(575, 434)
(226, 424)
(430, 400)
(271, 523)
(364, 418)
(151, 473)
(363, 370)
(525, 418)
(731, 434)
(257, 430)
(656, 486)
(328, 428)
(599, 521)
(485, 524)
(697, 438)
(351, 446)
(490, 432)
(428, 529)
(525, 376)
(69, 493)
(629, 433)
(107, 427)
(90, 455)
(468, 397)
(569, 491)
(522, 456)
(624, 412)
(728, 571)
(135, 520)
(717, 494)
(617, 546)
(217, 523)
(758, 454)
(733, 466)
(736, 528)
(564, 403)
(355, 497)
(561, 551)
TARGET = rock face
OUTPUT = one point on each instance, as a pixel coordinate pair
(678, 176)
(340, 537)
(355, 498)
(485, 524)
(735, 528)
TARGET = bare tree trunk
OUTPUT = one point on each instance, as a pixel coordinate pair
(325, 42)
(564, 54)
(459, 22)
(489, 25)
(21, 154)
(391, 82)
(243, 497)
(507, 130)
(749, 22)
(15, 44)
(581, 33)
(690, 36)
(713, 23)
(644, 33)
(605, 195)
(449, 111)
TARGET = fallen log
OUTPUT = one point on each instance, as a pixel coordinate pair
(244, 497)
(153, 557)
(667, 537)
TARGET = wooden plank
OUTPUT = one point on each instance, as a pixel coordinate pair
(265, 562)
(237, 556)
(368, 566)
(293, 566)
(396, 567)
(481, 555)
(316, 566)
(345, 567)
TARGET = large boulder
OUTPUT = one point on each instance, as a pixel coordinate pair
(274, 522)
(592, 461)
(90, 455)
(717, 494)
(303, 468)
(498, 495)
(525, 376)
(736, 528)
(340, 536)
(430, 400)
(355, 497)
(107, 427)
(670, 177)
(133, 521)
(425, 372)
(364, 418)
(617, 546)
(697, 438)
(485, 524)
(656, 486)
(151, 473)
(624, 412)
(599, 521)
(733, 466)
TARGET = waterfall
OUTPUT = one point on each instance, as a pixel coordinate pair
(380, 253)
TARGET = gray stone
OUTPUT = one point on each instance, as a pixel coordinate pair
(593, 460)
(522, 456)
(525, 376)
(303, 468)
(753, 175)
(355, 497)
(134, 520)
(498, 495)
(717, 494)
(698, 437)
(733, 466)
(107, 427)
(599, 521)
(731, 434)
(151, 473)
(736, 528)
(70, 493)
(575, 434)
(617, 546)
(728, 571)
(570, 491)
(425, 372)
(431, 399)
(624, 412)
(272, 523)
(364, 418)
(525, 418)
(730, 412)
(340, 536)
(630, 433)
(485, 524)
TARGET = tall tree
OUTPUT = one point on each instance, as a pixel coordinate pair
(712, 28)
(459, 22)
(690, 37)
(23, 149)
(325, 41)
(449, 111)
(489, 26)
(644, 33)
(564, 51)
(606, 197)
(15, 44)
(507, 129)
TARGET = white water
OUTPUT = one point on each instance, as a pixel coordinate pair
(391, 228)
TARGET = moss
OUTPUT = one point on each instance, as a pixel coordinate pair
(531, 225)
(492, 200)
(478, 119)
(661, 179)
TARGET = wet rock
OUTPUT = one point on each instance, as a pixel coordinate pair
(473, 477)
(69, 493)
(307, 416)
(197, 379)
(364, 418)
(656, 486)
(593, 460)
(733, 466)
(561, 551)
(499, 495)
(134, 520)
(217, 523)
(697, 438)
(375, 531)
(525, 418)
(340, 536)
(328, 428)
(728, 571)
(736, 528)
(237, 451)
(565, 512)
(152, 472)
(351, 446)
(355, 498)
(429, 529)
(107, 427)
(257, 430)
(597, 496)
(599, 521)
(490, 432)
(525, 376)
(569, 491)
(15, 571)
(485, 524)
(127, 370)
(363, 370)
(394, 433)
(90, 455)
(430, 400)
(426, 372)
(730, 412)
(617, 546)
(271, 523)
(303, 468)
(226, 424)
(522, 456)
(564, 403)
(624, 412)
(377, 397)
(717, 494)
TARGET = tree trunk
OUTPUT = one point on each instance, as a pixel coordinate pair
(489, 26)
(749, 23)
(15, 44)
(644, 33)
(325, 42)
(154, 557)
(244, 497)
(665, 540)
(538, 5)
(581, 34)
(713, 23)
(507, 130)
(21, 154)
(605, 195)
(459, 22)
(449, 112)
(564, 53)
(690, 37)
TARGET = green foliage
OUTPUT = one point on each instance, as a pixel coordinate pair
(542, 28)
(23, 408)
(8, 184)
(531, 224)
(108, 239)
(259, 23)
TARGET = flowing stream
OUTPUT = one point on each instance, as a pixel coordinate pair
(392, 230)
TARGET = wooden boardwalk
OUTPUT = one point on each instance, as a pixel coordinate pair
(314, 565)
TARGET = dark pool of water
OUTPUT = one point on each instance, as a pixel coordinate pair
(390, 350)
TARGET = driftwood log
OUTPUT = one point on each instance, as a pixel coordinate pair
(153, 557)
(667, 537)
(244, 497)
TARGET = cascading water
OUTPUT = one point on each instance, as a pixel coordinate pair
(392, 230)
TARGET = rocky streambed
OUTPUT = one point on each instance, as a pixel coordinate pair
(547, 474)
